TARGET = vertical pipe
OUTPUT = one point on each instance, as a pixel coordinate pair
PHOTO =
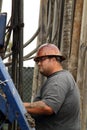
(15, 47)
(20, 19)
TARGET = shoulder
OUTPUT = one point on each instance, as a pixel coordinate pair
(60, 75)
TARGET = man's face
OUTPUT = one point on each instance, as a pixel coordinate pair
(44, 63)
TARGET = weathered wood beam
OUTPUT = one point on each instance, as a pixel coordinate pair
(73, 61)
(82, 67)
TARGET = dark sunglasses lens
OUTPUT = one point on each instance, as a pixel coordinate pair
(39, 59)
(36, 59)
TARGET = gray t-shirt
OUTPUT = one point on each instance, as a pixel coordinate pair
(61, 93)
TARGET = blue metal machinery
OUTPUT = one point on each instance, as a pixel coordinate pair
(11, 104)
(3, 17)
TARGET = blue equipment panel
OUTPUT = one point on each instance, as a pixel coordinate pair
(12, 106)
(3, 17)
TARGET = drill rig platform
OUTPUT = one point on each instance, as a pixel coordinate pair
(11, 105)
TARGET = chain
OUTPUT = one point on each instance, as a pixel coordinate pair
(30, 120)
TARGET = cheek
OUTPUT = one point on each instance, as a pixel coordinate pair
(43, 67)
(46, 67)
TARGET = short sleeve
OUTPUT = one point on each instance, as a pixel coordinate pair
(54, 93)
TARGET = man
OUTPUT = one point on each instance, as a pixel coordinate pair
(57, 104)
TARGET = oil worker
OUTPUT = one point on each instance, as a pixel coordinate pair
(57, 104)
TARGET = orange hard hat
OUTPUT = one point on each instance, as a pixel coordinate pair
(50, 50)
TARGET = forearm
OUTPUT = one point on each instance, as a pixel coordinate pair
(38, 108)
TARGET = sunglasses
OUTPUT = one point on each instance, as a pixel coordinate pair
(42, 58)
